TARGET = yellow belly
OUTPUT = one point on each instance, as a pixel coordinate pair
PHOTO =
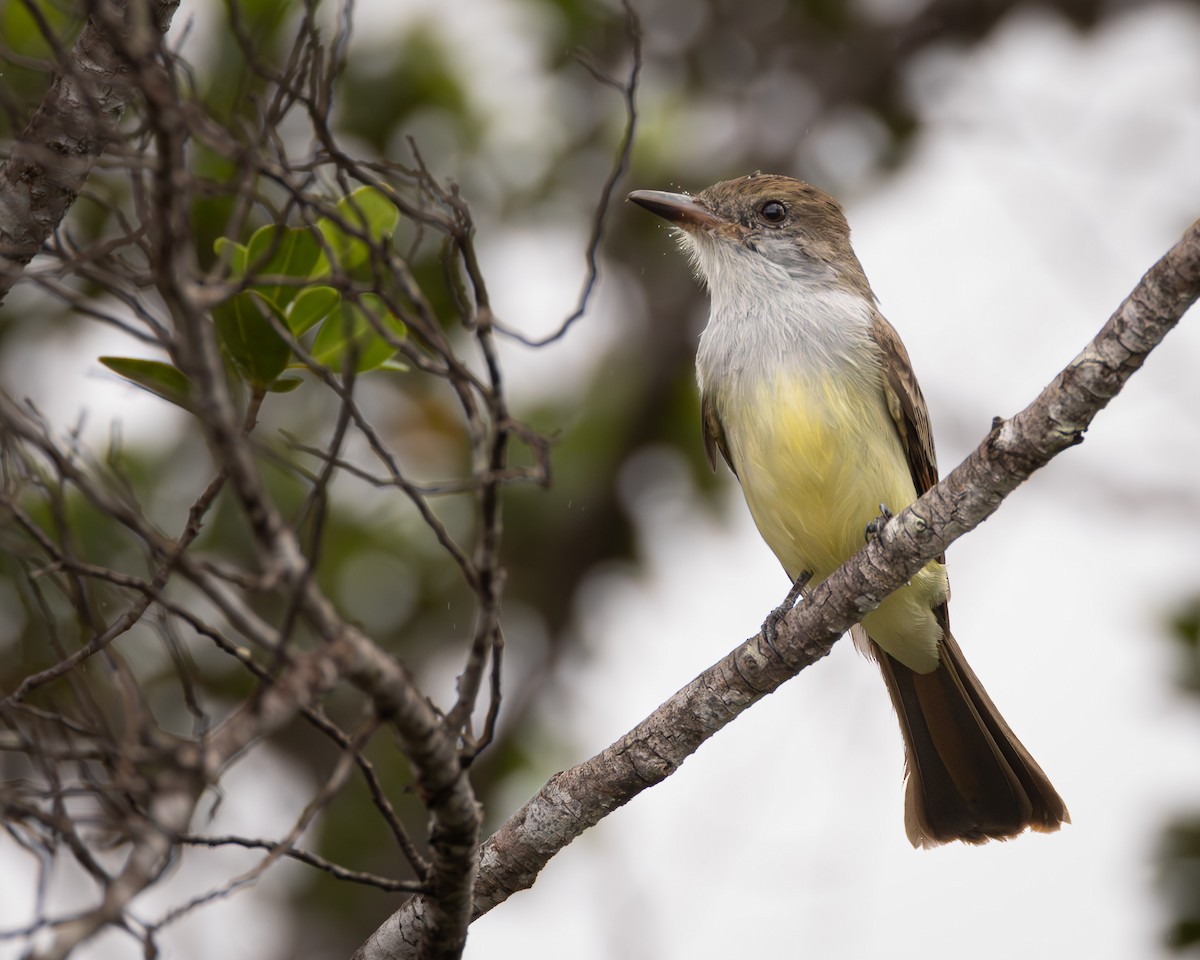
(816, 457)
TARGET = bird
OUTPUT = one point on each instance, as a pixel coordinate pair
(809, 396)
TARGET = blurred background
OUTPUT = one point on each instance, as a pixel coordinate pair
(1009, 171)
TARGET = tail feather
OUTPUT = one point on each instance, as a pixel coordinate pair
(969, 777)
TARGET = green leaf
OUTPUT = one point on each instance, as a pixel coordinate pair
(237, 257)
(366, 211)
(285, 384)
(159, 378)
(276, 250)
(349, 331)
(254, 346)
(311, 306)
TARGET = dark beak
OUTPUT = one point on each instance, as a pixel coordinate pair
(678, 208)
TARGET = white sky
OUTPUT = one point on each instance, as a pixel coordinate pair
(1052, 170)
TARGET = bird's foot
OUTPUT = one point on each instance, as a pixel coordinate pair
(770, 627)
(875, 527)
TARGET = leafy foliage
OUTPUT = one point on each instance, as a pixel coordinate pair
(281, 269)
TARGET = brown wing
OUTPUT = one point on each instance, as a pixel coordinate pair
(714, 433)
(906, 405)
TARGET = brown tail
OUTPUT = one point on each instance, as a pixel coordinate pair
(969, 777)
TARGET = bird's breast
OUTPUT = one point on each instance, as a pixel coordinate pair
(816, 454)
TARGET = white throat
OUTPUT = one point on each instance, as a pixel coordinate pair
(766, 316)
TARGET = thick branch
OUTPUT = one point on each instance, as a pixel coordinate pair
(576, 799)
(74, 124)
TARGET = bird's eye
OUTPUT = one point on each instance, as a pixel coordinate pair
(773, 212)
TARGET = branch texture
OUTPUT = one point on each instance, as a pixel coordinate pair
(76, 122)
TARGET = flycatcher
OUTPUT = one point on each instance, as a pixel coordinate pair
(809, 395)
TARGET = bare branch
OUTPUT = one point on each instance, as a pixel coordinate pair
(628, 90)
(75, 123)
(148, 782)
(306, 856)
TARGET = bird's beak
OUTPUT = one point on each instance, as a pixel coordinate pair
(679, 208)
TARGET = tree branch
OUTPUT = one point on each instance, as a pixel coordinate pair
(429, 744)
(576, 799)
(134, 54)
(72, 127)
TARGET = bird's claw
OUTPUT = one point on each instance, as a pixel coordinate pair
(770, 627)
(875, 527)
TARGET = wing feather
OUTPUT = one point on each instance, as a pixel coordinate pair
(714, 433)
(906, 405)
